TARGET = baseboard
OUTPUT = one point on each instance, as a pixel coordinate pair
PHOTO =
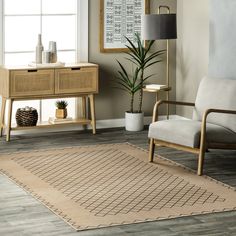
(100, 124)
(117, 123)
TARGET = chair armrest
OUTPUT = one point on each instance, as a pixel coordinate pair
(158, 103)
(204, 121)
(212, 110)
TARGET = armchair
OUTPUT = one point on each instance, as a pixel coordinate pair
(213, 124)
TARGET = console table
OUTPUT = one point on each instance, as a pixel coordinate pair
(29, 83)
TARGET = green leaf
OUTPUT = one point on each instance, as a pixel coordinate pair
(122, 68)
(127, 88)
(150, 43)
(131, 44)
(152, 63)
(147, 77)
(124, 79)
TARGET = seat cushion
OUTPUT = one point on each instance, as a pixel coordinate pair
(187, 132)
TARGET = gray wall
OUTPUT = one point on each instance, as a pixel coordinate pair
(112, 103)
(207, 38)
(192, 49)
(222, 38)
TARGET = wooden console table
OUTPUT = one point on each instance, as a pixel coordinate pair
(29, 83)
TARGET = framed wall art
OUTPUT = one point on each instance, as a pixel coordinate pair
(120, 18)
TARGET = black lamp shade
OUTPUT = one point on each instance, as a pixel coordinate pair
(159, 26)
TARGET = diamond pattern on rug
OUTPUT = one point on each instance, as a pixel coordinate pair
(111, 182)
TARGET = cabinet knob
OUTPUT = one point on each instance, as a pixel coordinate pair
(75, 68)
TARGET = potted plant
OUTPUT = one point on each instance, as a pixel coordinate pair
(61, 111)
(132, 85)
(141, 58)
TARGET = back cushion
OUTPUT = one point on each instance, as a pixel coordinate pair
(220, 94)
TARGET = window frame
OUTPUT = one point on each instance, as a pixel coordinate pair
(81, 35)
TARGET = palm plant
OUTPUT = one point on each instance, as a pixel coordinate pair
(129, 83)
(141, 58)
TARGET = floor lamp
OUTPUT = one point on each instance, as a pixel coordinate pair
(160, 26)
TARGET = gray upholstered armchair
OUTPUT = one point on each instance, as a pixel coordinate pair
(213, 124)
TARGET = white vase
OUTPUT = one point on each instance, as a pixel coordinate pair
(53, 50)
(134, 121)
(39, 50)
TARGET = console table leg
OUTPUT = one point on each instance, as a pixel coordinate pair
(84, 107)
(3, 106)
(9, 120)
(92, 110)
(84, 114)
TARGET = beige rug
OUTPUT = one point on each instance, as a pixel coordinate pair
(105, 185)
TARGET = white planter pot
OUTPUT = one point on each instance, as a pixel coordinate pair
(134, 121)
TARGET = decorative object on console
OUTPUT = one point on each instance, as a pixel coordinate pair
(160, 26)
(53, 51)
(46, 57)
(141, 59)
(27, 116)
(39, 50)
(61, 111)
(53, 120)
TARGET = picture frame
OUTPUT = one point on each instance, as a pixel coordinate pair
(120, 18)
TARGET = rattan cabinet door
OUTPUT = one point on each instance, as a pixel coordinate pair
(31, 82)
(76, 80)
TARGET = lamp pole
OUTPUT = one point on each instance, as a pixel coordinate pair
(167, 61)
(161, 26)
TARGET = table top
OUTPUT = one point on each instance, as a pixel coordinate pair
(47, 66)
(156, 90)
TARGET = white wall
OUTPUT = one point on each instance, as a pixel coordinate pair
(192, 49)
(222, 39)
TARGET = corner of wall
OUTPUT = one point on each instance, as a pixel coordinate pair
(192, 54)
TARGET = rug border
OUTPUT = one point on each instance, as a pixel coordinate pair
(74, 225)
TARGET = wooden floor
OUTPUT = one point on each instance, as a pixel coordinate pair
(20, 214)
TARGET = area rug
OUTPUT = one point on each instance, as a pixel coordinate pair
(114, 184)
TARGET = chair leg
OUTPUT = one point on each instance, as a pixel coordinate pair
(201, 161)
(151, 150)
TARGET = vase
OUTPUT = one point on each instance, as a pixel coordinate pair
(134, 121)
(53, 51)
(39, 50)
(61, 113)
(46, 57)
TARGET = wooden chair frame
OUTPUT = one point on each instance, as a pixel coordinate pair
(203, 144)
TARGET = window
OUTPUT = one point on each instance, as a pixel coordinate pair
(55, 20)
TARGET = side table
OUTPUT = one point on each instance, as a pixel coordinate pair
(157, 91)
